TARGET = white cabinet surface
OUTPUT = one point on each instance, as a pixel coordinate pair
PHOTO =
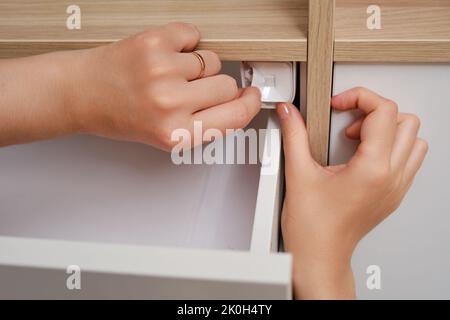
(411, 246)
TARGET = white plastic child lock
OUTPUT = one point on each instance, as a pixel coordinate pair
(275, 80)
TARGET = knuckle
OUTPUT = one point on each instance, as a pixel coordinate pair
(184, 27)
(179, 25)
(241, 116)
(413, 120)
(378, 175)
(248, 107)
(215, 61)
(163, 102)
(394, 206)
(229, 83)
(422, 145)
(150, 40)
(360, 89)
(254, 98)
(159, 99)
(164, 136)
(391, 107)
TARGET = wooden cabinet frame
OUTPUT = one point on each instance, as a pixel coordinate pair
(318, 32)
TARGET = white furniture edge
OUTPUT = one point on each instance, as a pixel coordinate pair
(139, 260)
(133, 270)
(265, 224)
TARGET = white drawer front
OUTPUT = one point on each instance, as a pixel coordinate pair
(32, 268)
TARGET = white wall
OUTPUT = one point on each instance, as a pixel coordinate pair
(412, 247)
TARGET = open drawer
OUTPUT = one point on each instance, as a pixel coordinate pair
(137, 225)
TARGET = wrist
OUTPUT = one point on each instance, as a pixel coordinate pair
(318, 278)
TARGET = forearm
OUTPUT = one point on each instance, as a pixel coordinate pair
(33, 100)
(319, 280)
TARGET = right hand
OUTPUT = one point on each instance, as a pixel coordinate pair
(144, 87)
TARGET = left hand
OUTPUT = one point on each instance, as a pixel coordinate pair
(328, 210)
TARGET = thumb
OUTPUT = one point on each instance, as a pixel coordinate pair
(295, 140)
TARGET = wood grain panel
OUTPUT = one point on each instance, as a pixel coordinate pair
(320, 69)
(411, 31)
(237, 30)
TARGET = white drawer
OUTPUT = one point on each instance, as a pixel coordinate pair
(137, 225)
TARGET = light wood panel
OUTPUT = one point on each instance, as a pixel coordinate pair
(320, 69)
(411, 31)
(235, 29)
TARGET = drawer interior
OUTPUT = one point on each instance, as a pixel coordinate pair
(86, 188)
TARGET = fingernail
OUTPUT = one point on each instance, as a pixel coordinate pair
(283, 111)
